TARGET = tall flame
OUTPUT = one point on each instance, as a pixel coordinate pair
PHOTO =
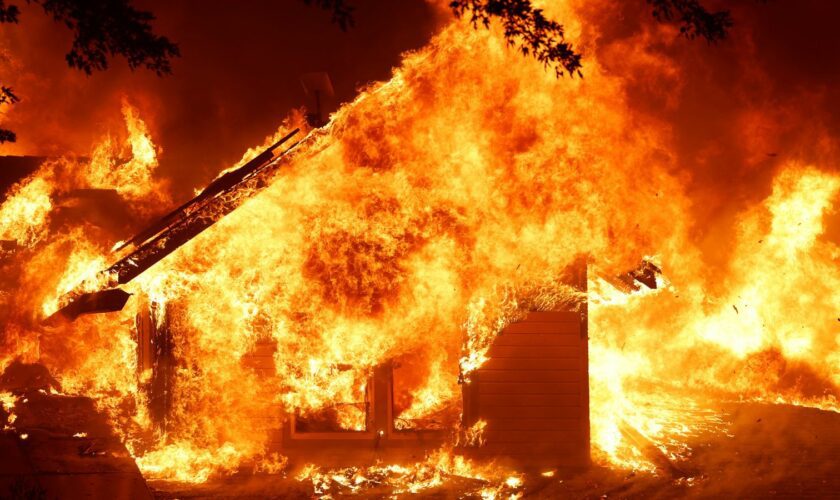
(133, 178)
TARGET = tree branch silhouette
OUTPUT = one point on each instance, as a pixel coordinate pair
(527, 28)
(342, 12)
(101, 30)
(695, 21)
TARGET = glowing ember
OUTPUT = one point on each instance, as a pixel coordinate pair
(426, 476)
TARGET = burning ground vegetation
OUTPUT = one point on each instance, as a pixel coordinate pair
(413, 228)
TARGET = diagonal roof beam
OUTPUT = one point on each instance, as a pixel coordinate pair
(150, 246)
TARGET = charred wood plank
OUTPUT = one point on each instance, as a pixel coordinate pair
(221, 183)
(223, 196)
(220, 198)
(102, 301)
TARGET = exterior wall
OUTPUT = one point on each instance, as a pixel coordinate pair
(380, 441)
(533, 393)
(155, 361)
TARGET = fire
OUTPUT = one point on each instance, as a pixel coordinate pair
(82, 266)
(24, 214)
(54, 246)
(473, 436)
(392, 224)
(413, 228)
(185, 463)
(431, 397)
(134, 179)
(771, 326)
(801, 196)
(7, 405)
(423, 477)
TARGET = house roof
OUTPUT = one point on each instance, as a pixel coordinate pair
(146, 248)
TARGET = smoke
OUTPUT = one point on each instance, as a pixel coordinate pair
(238, 77)
(737, 110)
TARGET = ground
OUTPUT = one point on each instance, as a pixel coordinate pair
(770, 451)
(767, 451)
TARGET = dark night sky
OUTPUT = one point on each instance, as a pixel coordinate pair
(238, 76)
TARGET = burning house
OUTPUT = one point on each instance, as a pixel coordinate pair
(427, 291)
(529, 404)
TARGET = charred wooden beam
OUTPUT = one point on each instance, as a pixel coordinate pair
(156, 361)
(220, 198)
(649, 450)
(151, 245)
(220, 184)
(101, 301)
(646, 273)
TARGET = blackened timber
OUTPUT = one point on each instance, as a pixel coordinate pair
(649, 449)
(227, 193)
(156, 361)
(225, 181)
(222, 197)
(101, 301)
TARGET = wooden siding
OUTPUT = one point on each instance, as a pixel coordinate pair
(533, 392)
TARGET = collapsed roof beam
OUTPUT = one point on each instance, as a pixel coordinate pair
(150, 246)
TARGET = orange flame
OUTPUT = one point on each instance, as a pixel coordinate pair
(431, 212)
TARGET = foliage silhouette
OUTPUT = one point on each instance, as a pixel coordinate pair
(101, 29)
(527, 28)
(694, 19)
(342, 12)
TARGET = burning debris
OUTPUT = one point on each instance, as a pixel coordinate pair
(50, 438)
(176, 228)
